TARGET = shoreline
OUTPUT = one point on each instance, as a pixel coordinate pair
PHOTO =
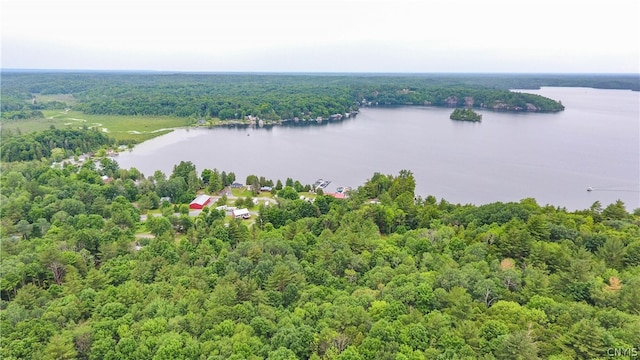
(257, 123)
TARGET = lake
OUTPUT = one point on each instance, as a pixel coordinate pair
(552, 157)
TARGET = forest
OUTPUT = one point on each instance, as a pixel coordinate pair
(53, 143)
(101, 262)
(381, 274)
(276, 97)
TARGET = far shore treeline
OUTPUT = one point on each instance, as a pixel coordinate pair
(275, 97)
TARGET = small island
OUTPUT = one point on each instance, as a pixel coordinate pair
(465, 115)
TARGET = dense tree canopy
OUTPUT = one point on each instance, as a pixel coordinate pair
(381, 274)
(56, 143)
(275, 97)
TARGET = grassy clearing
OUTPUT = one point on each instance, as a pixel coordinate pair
(138, 138)
(309, 195)
(248, 193)
(122, 128)
(241, 192)
(267, 194)
(32, 125)
(68, 99)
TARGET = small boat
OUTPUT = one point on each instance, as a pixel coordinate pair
(589, 189)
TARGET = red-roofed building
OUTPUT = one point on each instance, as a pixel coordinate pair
(200, 202)
(338, 195)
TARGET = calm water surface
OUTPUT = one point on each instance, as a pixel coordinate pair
(553, 158)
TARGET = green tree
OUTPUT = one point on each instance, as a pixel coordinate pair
(183, 170)
(251, 179)
(613, 253)
(24, 228)
(231, 178)
(288, 192)
(124, 214)
(158, 225)
(403, 183)
(586, 338)
(632, 254)
(515, 242)
(518, 345)
(280, 278)
(108, 167)
(282, 353)
(215, 182)
(193, 182)
(60, 348)
(615, 211)
(205, 176)
(57, 154)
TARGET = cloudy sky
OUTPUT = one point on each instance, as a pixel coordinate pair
(324, 36)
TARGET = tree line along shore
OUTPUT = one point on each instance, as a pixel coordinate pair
(270, 97)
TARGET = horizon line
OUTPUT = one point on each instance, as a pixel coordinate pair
(44, 70)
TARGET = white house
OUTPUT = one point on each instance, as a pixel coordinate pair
(241, 213)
